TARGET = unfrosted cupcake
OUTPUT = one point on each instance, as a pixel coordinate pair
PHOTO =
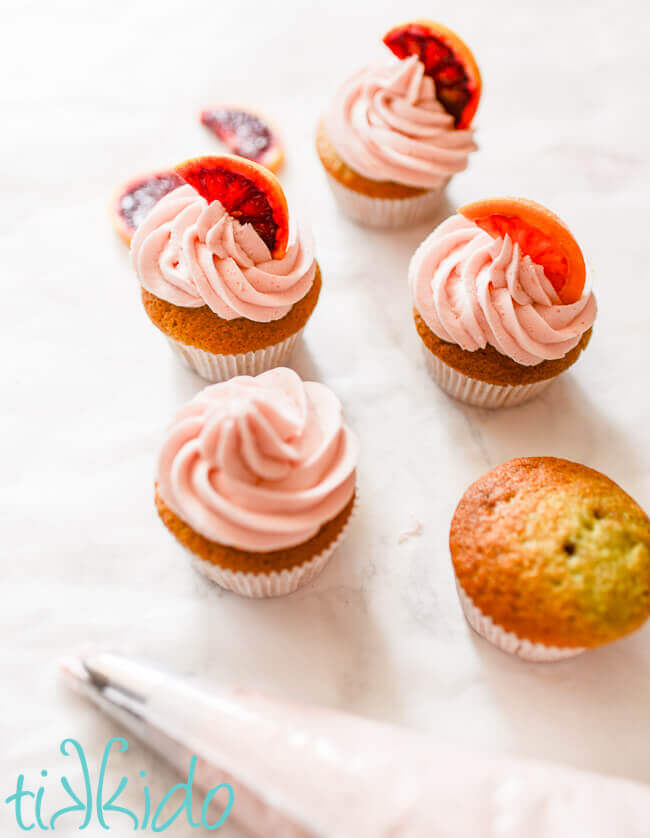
(500, 301)
(257, 478)
(551, 558)
(396, 132)
(225, 276)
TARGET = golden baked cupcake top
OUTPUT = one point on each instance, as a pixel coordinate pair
(554, 552)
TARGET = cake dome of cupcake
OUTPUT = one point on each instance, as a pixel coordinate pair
(396, 132)
(224, 273)
(257, 477)
(501, 301)
(551, 558)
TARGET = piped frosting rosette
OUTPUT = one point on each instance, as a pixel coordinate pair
(475, 290)
(192, 253)
(259, 464)
(396, 132)
(387, 124)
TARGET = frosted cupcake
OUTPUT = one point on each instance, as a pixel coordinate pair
(257, 478)
(500, 301)
(395, 133)
(224, 275)
(551, 558)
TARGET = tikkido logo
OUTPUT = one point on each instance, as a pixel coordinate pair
(29, 806)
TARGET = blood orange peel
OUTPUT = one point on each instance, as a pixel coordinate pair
(447, 59)
(540, 234)
(246, 134)
(247, 191)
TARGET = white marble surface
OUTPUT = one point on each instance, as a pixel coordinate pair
(94, 93)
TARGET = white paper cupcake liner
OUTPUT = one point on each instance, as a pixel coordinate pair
(275, 583)
(509, 642)
(479, 393)
(216, 368)
(386, 212)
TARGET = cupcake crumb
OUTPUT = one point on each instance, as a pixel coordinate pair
(416, 529)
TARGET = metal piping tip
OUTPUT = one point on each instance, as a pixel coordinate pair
(73, 670)
(140, 697)
(120, 687)
(104, 671)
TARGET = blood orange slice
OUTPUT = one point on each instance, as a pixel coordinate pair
(248, 191)
(246, 134)
(449, 62)
(540, 234)
(133, 200)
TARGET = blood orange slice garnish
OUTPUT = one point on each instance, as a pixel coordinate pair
(449, 62)
(246, 134)
(247, 191)
(135, 198)
(540, 234)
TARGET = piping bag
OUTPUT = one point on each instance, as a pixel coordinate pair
(300, 771)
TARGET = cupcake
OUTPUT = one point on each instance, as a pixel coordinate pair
(224, 276)
(256, 477)
(396, 132)
(551, 558)
(500, 301)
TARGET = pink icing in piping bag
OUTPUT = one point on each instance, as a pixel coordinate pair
(300, 771)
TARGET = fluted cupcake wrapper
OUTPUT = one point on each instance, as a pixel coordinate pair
(216, 368)
(479, 393)
(275, 583)
(509, 642)
(386, 212)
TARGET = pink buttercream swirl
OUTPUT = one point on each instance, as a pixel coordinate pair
(259, 463)
(474, 290)
(386, 124)
(193, 253)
